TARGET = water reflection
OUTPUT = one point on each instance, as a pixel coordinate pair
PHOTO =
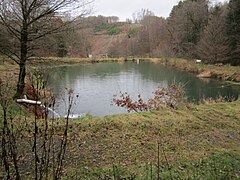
(97, 83)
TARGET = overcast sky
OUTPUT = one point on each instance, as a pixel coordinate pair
(125, 8)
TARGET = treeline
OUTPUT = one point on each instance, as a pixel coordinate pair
(62, 36)
(195, 29)
(75, 40)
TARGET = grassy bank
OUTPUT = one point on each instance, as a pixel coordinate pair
(223, 72)
(189, 136)
(194, 142)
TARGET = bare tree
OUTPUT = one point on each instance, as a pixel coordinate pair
(185, 24)
(153, 27)
(26, 21)
(140, 15)
(213, 46)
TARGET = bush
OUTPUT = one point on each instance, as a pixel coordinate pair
(172, 97)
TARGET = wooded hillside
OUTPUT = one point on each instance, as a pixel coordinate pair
(194, 30)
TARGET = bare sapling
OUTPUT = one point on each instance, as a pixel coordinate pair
(49, 152)
(63, 144)
(9, 154)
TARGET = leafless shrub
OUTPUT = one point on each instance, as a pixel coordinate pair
(49, 150)
(9, 154)
(45, 147)
(171, 97)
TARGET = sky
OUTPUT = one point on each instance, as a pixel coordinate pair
(125, 8)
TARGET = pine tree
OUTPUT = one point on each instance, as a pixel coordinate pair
(213, 47)
(233, 32)
(185, 25)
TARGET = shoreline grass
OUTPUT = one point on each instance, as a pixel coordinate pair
(224, 72)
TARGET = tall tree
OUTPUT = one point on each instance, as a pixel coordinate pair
(233, 31)
(185, 24)
(153, 31)
(27, 21)
(212, 47)
(149, 33)
(140, 15)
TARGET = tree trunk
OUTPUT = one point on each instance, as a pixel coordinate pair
(21, 80)
(22, 64)
(4, 144)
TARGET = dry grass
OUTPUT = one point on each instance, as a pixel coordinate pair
(225, 72)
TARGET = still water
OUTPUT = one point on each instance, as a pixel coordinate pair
(96, 84)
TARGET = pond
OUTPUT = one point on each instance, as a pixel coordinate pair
(96, 84)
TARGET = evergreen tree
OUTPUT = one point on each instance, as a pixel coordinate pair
(233, 32)
(185, 24)
(213, 47)
(62, 48)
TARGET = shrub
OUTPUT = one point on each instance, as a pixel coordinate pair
(171, 97)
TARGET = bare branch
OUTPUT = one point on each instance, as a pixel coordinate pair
(26, 21)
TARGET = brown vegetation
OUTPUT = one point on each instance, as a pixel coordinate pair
(171, 97)
(223, 72)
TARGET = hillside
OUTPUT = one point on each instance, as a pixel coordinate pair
(111, 39)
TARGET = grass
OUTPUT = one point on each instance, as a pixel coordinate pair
(205, 168)
(133, 32)
(225, 72)
(7, 68)
(111, 29)
(199, 142)
(188, 136)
